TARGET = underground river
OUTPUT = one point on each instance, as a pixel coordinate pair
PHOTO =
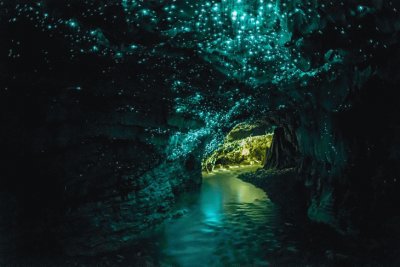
(228, 223)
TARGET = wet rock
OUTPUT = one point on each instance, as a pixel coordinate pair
(282, 153)
(274, 182)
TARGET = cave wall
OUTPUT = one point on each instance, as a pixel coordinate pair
(79, 169)
(84, 141)
(106, 112)
(344, 118)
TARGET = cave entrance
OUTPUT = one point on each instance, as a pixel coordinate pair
(226, 202)
(245, 145)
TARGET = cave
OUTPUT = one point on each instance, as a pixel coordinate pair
(199, 133)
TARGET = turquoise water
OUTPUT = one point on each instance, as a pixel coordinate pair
(228, 223)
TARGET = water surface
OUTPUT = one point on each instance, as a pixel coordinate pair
(229, 222)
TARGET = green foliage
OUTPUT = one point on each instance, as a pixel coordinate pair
(246, 151)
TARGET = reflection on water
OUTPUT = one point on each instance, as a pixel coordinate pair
(229, 222)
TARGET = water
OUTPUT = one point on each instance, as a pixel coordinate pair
(229, 223)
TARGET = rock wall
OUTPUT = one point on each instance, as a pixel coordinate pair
(84, 144)
(106, 114)
(343, 115)
(84, 174)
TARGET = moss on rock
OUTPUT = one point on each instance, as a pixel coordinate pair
(240, 148)
(243, 130)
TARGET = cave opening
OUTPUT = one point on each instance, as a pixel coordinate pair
(227, 212)
(246, 144)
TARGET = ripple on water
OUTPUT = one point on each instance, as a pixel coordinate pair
(231, 223)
